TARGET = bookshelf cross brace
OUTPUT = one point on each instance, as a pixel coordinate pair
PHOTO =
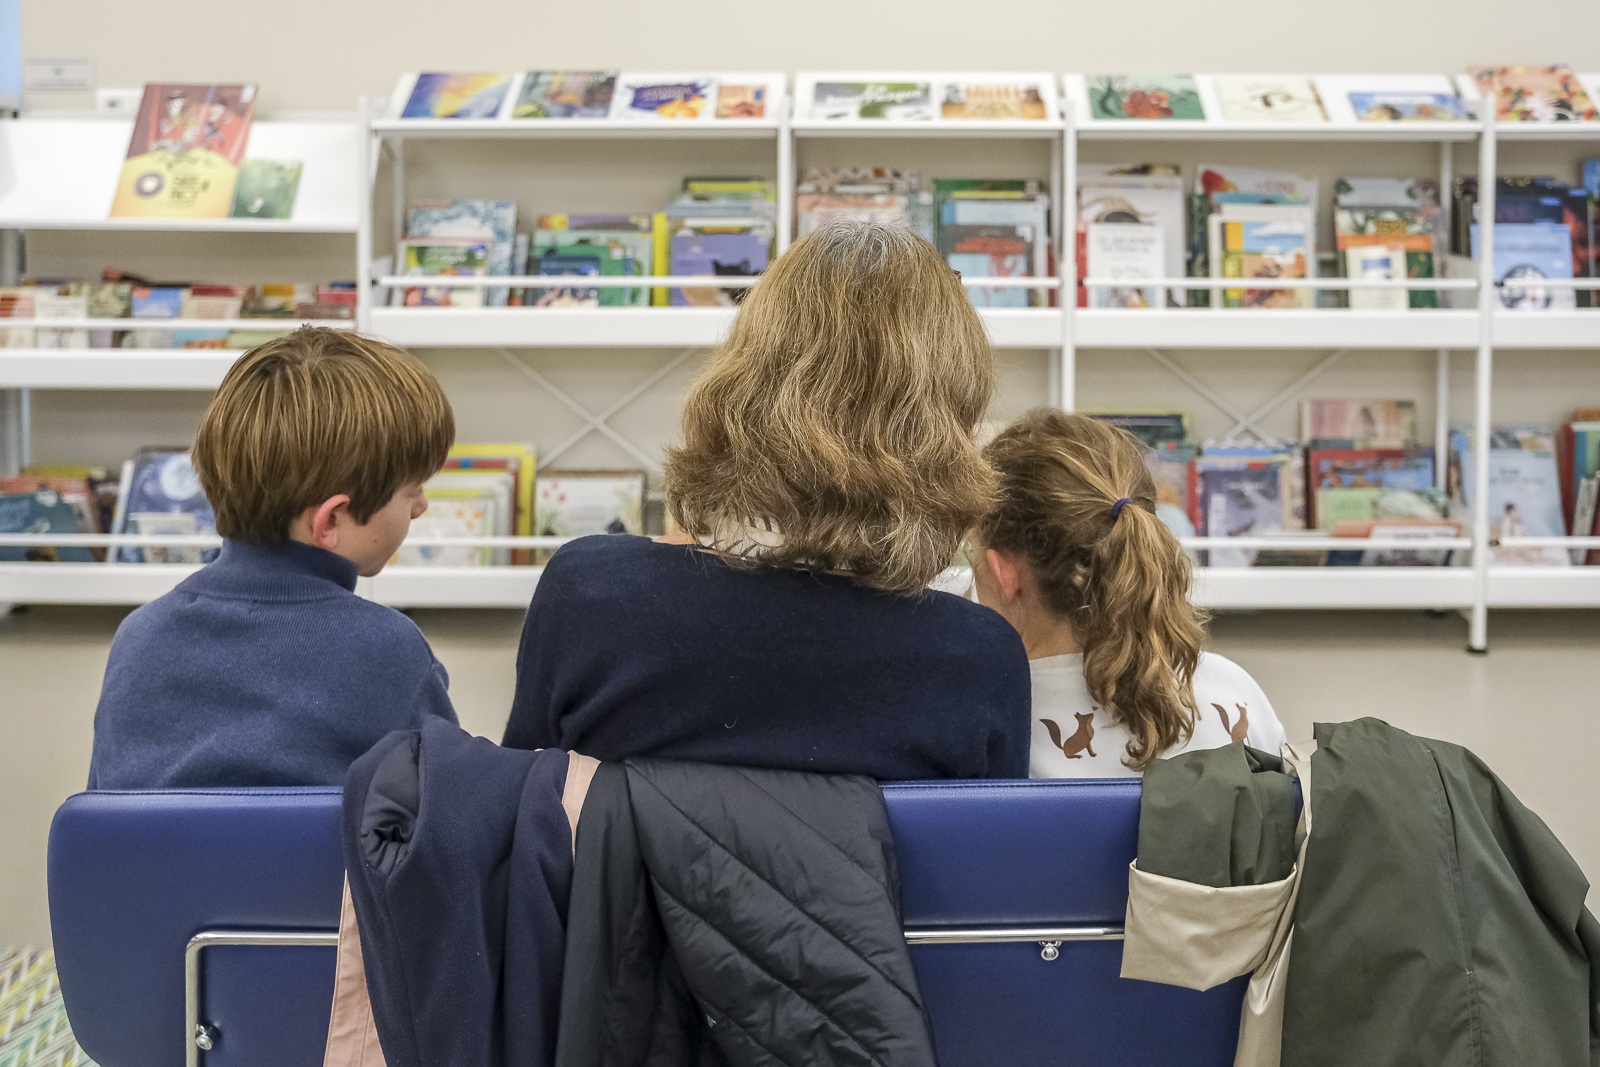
(595, 422)
(1245, 421)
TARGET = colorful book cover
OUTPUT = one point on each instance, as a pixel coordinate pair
(702, 250)
(741, 101)
(1383, 424)
(1342, 469)
(444, 256)
(456, 512)
(492, 219)
(1261, 250)
(456, 96)
(655, 98)
(1214, 178)
(1248, 98)
(1127, 253)
(631, 249)
(43, 511)
(164, 496)
(890, 101)
(1401, 106)
(184, 155)
(1155, 428)
(519, 460)
(1524, 501)
(1523, 254)
(556, 265)
(266, 189)
(565, 94)
(988, 101)
(1241, 501)
(611, 258)
(991, 252)
(578, 503)
(1126, 96)
(1534, 94)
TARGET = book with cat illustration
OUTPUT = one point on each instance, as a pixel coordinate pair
(721, 247)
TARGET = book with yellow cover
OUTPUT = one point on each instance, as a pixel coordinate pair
(184, 155)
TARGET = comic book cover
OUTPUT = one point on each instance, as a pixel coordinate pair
(456, 96)
(1534, 94)
(992, 100)
(183, 158)
(1126, 96)
(565, 94)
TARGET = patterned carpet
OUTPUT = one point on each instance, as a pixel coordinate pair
(33, 1021)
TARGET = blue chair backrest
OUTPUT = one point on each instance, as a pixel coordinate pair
(134, 876)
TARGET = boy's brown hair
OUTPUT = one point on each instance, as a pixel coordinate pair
(310, 415)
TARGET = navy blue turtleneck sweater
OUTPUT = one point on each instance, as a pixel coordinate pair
(264, 668)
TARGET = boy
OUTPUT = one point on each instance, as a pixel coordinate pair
(265, 668)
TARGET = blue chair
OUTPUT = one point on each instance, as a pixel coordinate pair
(201, 923)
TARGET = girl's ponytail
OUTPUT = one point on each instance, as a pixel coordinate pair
(1078, 504)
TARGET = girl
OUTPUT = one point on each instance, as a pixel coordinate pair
(1076, 560)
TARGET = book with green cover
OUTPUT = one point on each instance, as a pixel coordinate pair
(620, 251)
(1125, 96)
(266, 189)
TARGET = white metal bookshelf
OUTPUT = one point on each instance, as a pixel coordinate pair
(1060, 331)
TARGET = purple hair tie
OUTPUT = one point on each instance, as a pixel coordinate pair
(1116, 509)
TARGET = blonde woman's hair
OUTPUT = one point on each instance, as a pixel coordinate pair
(312, 414)
(840, 413)
(1115, 573)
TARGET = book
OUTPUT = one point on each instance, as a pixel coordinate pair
(909, 101)
(47, 304)
(495, 220)
(1242, 250)
(1395, 105)
(1332, 472)
(985, 100)
(1252, 98)
(450, 513)
(1128, 96)
(104, 300)
(739, 101)
(518, 459)
(608, 260)
(1214, 178)
(1122, 195)
(1374, 263)
(1524, 501)
(183, 157)
(1246, 500)
(731, 247)
(578, 503)
(1156, 428)
(1525, 253)
(40, 511)
(1127, 253)
(1172, 467)
(1583, 514)
(456, 96)
(1341, 423)
(554, 264)
(565, 94)
(632, 250)
(1407, 229)
(163, 496)
(265, 189)
(1396, 529)
(991, 252)
(1534, 94)
(443, 257)
(664, 97)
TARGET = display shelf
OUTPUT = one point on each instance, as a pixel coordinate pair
(72, 166)
(1274, 328)
(683, 327)
(89, 583)
(1588, 130)
(452, 587)
(1544, 587)
(1333, 587)
(1023, 129)
(114, 368)
(604, 129)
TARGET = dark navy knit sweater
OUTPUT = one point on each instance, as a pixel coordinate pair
(634, 648)
(264, 668)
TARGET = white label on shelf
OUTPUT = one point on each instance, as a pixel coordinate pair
(58, 76)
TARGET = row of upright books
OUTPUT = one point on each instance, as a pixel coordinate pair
(122, 295)
(1232, 223)
(1549, 93)
(1360, 471)
(484, 490)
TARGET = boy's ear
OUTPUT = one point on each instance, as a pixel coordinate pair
(1006, 574)
(325, 521)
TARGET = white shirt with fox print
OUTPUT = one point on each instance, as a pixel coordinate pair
(1073, 737)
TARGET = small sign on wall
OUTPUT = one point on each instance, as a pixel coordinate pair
(58, 76)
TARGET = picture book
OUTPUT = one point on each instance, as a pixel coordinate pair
(40, 511)
(886, 100)
(1376, 263)
(518, 459)
(1525, 253)
(456, 96)
(664, 97)
(1259, 250)
(610, 259)
(1155, 428)
(1172, 468)
(1401, 106)
(976, 202)
(565, 94)
(492, 219)
(1337, 471)
(265, 189)
(976, 251)
(1534, 94)
(47, 304)
(1338, 423)
(1524, 501)
(1250, 98)
(577, 503)
(183, 158)
(1128, 96)
(554, 264)
(1248, 500)
(991, 100)
(453, 512)
(1126, 253)
(711, 247)
(741, 101)
(163, 495)
(1214, 178)
(1390, 193)
(634, 251)
(441, 257)
(1154, 200)
(1421, 530)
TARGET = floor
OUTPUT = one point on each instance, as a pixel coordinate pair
(1528, 708)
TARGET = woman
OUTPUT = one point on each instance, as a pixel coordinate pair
(827, 474)
(1074, 556)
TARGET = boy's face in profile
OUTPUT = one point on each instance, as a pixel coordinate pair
(373, 543)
